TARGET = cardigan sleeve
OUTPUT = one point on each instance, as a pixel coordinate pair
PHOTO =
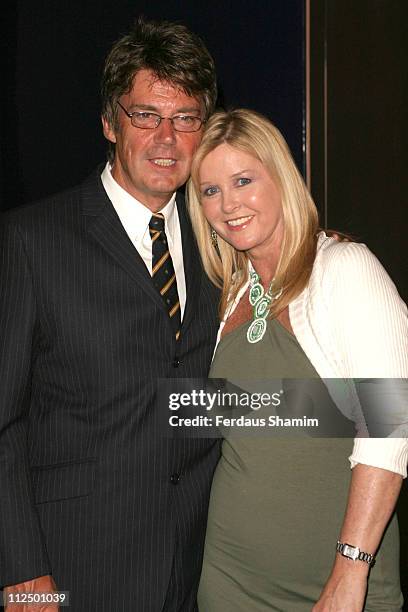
(371, 331)
(386, 453)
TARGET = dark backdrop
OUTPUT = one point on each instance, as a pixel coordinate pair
(51, 136)
(359, 143)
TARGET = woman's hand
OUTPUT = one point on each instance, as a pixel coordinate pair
(345, 591)
(372, 497)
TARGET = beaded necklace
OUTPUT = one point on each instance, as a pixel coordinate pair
(261, 303)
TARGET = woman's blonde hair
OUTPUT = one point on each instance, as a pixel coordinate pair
(252, 133)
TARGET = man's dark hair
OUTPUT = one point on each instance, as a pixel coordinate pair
(171, 52)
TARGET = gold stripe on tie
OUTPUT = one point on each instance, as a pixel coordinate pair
(161, 261)
(174, 309)
(167, 286)
(163, 273)
(154, 235)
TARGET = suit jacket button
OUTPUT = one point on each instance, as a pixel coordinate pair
(176, 362)
(175, 478)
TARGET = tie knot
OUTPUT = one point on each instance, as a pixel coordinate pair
(156, 223)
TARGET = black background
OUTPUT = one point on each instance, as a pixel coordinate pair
(51, 134)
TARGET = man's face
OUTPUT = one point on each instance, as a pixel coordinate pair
(152, 164)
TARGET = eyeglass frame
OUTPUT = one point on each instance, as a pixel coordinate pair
(160, 118)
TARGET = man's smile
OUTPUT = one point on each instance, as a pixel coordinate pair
(164, 162)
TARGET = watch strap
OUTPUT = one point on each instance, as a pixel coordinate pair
(354, 553)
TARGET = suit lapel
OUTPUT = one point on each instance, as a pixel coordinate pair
(105, 227)
(192, 266)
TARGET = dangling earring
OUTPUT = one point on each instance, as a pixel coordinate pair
(214, 238)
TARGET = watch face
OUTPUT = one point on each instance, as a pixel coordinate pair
(351, 551)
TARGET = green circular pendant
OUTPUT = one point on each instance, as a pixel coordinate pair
(255, 293)
(262, 306)
(261, 302)
(256, 330)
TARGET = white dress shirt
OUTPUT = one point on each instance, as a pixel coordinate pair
(135, 218)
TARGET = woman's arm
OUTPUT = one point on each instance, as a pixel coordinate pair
(372, 498)
(370, 336)
(367, 325)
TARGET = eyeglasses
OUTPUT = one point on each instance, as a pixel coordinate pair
(147, 120)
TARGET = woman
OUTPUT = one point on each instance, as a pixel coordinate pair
(279, 505)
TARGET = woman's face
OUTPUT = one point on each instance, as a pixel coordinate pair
(241, 201)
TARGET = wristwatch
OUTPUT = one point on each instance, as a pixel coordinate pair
(354, 553)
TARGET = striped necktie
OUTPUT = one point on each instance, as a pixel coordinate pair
(163, 275)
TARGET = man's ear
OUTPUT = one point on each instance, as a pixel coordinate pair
(108, 130)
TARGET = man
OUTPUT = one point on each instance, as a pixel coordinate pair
(95, 309)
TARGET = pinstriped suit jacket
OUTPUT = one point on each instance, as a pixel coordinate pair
(90, 492)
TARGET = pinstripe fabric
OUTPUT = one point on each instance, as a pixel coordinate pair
(84, 476)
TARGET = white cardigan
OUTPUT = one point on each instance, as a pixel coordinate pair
(351, 323)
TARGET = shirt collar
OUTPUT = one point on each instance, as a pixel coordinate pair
(132, 213)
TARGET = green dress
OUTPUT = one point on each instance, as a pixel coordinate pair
(277, 503)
